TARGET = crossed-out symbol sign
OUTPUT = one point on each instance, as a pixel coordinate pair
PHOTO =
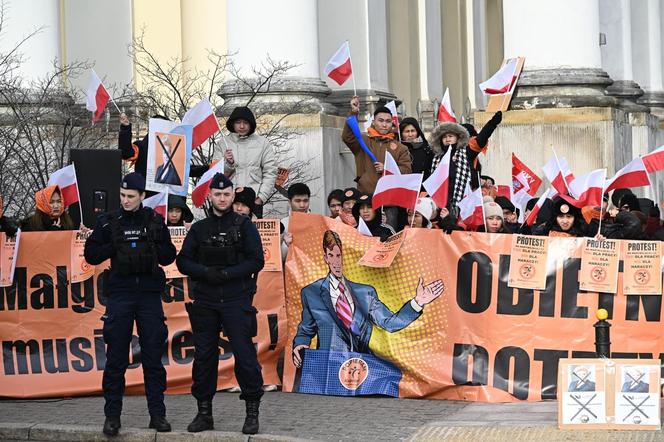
(582, 380)
(635, 407)
(170, 156)
(583, 406)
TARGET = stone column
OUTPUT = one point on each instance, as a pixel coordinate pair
(647, 53)
(560, 41)
(283, 30)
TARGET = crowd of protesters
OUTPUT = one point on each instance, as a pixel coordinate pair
(250, 163)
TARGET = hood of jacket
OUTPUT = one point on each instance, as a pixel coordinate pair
(444, 128)
(241, 113)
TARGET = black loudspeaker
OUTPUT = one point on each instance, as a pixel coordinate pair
(99, 173)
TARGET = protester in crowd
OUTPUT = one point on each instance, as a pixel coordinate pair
(626, 224)
(245, 201)
(379, 139)
(464, 165)
(350, 196)
(510, 213)
(542, 217)
(250, 160)
(418, 146)
(50, 213)
(421, 216)
(488, 185)
(298, 199)
(494, 221)
(334, 202)
(362, 209)
(565, 220)
(137, 152)
(444, 221)
(7, 225)
(179, 213)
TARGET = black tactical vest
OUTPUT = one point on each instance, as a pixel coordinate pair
(222, 248)
(136, 246)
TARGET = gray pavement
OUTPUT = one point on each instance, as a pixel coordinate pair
(289, 416)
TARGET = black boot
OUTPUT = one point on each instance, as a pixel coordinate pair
(203, 420)
(251, 421)
(112, 425)
(160, 424)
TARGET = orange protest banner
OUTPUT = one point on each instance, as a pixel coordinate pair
(381, 254)
(51, 332)
(480, 340)
(269, 231)
(80, 269)
(528, 263)
(177, 237)
(599, 265)
(642, 268)
(9, 247)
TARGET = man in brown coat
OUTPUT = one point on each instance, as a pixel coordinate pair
(380, 139)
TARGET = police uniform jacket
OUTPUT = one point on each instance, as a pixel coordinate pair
(99, 247)
(239, 279)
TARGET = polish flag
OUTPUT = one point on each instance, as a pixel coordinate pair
(96, 97)
(203, 120)
(523, 176)
(471, 209)
(503, 190)
(392, 106)
(158, 203)
(202, 189)
(65, 178)
(532, 216)
(367, 124)
(559, 175)
(363, 229)
(520, 199)
(654, 161)
(634, 174)
(502, 81)
(339, 67)
(437, 185)
(445, 112)
(397, 190)
(587, 189)
(390, 166)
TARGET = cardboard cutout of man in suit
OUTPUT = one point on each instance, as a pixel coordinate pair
(342, 313)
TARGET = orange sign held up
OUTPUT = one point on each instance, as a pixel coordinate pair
(269, 231)
(381, 254)
(177, 237)
(528, 262)
(642, 268)
(599, 265)
(80, 268)
(8, 253)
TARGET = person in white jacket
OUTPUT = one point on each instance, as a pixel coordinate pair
(250, 160)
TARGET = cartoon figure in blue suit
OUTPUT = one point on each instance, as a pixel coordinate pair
(343, 313)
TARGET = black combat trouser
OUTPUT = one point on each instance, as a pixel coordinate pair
(238, 320)
(122, 309)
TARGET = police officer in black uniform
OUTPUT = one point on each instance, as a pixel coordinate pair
(137, 241)
(223, 255)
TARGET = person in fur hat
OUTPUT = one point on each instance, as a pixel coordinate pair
(464, 165)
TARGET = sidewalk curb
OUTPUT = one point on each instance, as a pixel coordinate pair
(83, 433)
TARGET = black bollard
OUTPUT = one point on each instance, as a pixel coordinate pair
(602, 335)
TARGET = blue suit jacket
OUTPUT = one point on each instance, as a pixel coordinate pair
(320, 318)
(640, 387)
(171, 177)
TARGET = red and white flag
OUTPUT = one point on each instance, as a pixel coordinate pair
(392, 106)
(362, 228)
(96, 97)
(339, 67)
(65, 178)
(445, 112)
(634, 174)
(471, 209)
(502, 81)
(587, 190)
(654, 161)
(158, 203)
(523, 176)
(532, 216)
(390, 167)
(203, 120)
(397, 190)
(503, 190)
(520, 200)
(558, 173)
(438, 183)
(202, 189)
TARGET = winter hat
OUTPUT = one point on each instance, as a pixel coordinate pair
(505, 204)
(364, 199)
(493, 209)
(176, 201)
(425, 206)
(133, 181)
(448, 127)
(630, 200)
(246, 196)
(351, 193)
(562, 207)
(617, 196)
(487, 199)
(241, 113)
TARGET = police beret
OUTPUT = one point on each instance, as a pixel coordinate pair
(220, 181)
(133, 181)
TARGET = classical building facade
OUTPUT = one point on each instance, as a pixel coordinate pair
(592, 84)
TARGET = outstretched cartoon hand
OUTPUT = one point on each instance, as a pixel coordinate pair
(427, 293)
(297, 359)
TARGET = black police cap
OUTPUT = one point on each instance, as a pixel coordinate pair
(220, 181)
(133, 181)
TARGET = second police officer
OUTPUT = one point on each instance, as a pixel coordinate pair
(223, 254)
(137, 241)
